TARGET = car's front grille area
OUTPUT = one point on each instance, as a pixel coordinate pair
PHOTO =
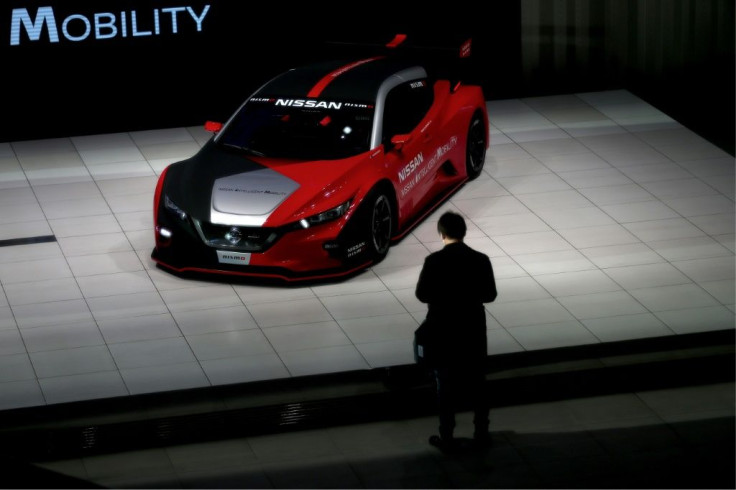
(241, 238)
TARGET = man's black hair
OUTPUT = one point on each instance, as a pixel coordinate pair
(452, 225)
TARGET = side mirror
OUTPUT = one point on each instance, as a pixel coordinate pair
(212, 126)
(399, 140)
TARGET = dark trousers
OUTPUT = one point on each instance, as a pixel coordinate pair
(458, 388)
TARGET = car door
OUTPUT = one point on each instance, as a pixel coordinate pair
(405, 107)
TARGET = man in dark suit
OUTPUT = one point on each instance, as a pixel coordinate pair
(455, 282)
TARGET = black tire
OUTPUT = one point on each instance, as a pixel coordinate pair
(475, 149)
(379, 224)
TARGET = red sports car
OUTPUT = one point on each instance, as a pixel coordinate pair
(320, 171)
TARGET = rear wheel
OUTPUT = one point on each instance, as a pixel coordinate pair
(475, 152)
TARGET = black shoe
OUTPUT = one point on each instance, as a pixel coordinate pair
(444, 445)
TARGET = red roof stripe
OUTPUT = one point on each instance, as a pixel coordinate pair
(322, 84)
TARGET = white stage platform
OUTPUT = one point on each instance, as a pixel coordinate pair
(605, 220)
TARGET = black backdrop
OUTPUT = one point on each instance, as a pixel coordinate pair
(129, 78)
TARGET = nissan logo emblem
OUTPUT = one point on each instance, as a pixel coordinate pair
(234, 235)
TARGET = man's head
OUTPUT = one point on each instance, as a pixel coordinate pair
(452, 226)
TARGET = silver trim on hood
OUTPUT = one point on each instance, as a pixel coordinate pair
(249, 198)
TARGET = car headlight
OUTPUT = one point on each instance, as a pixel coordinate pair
(325, 216)
(169, 204)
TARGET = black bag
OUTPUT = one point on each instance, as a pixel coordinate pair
(425, 344)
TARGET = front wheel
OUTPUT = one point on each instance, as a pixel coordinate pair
(380, 225)
(475, 151)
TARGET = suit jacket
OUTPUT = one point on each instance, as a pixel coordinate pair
(455, 282)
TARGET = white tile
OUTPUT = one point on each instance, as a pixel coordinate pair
(378, 328)
(582, 161)
(147, 353)
(363, 305)
(80, 360)
(626, 327)
(554, 262)
(62, 192)
(577, 282)
(136, 221)
(617, 194)
(53, 313)
(161, 136)
(7, 320)
(34, 251)
(571, 199)
(234, 343)
(563, 219)
(500, 341)
(200, 297)
(490, 206)
(251, 295)
(175, 150)
(552, 335)
(42, 291)
(129, 203)
(664, 229)
(677, 297)
(324, 360)
(368, 281)
(18, 195)
(84, 226)
(16, 367)
(529, 184)
(18, 213)
(127, 186)
(690, 248)
(11, 342)
(25, 229)
(599, 236)
(56, 337)
(105, 264)
(684, 187)
(715, 224)
(647, 276)
(639, 211)
(399, 277)
(146, 327)
(622, 255)
(101, 172)
(402, 255)
(387, 353)
(657, 176)
(211, 320)
(546, 147)
(693, 320)
(530, 312)
(518, 289)
(724, 291)
(528, 243)
(600, 177)
(75, 208)
(109, 154)
(692, 151)
(483, 186)
(36, 270)
(600, 305)
(295, 312)
(20, 394)
(707, 269)
(138, 304)
(305, 336)
(164, 378)
(119, 283)
(244, 369)
(102, 243)
(701, 205)
(499, 167)
(81, 387)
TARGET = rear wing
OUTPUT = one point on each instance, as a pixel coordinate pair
(445, 56)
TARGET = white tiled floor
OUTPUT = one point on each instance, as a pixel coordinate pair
(605, 219)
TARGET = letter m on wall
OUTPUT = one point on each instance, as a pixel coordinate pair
(33, 27)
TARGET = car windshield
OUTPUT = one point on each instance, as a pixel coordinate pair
(304, 129)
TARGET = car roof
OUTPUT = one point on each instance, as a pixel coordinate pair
(356, 80)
